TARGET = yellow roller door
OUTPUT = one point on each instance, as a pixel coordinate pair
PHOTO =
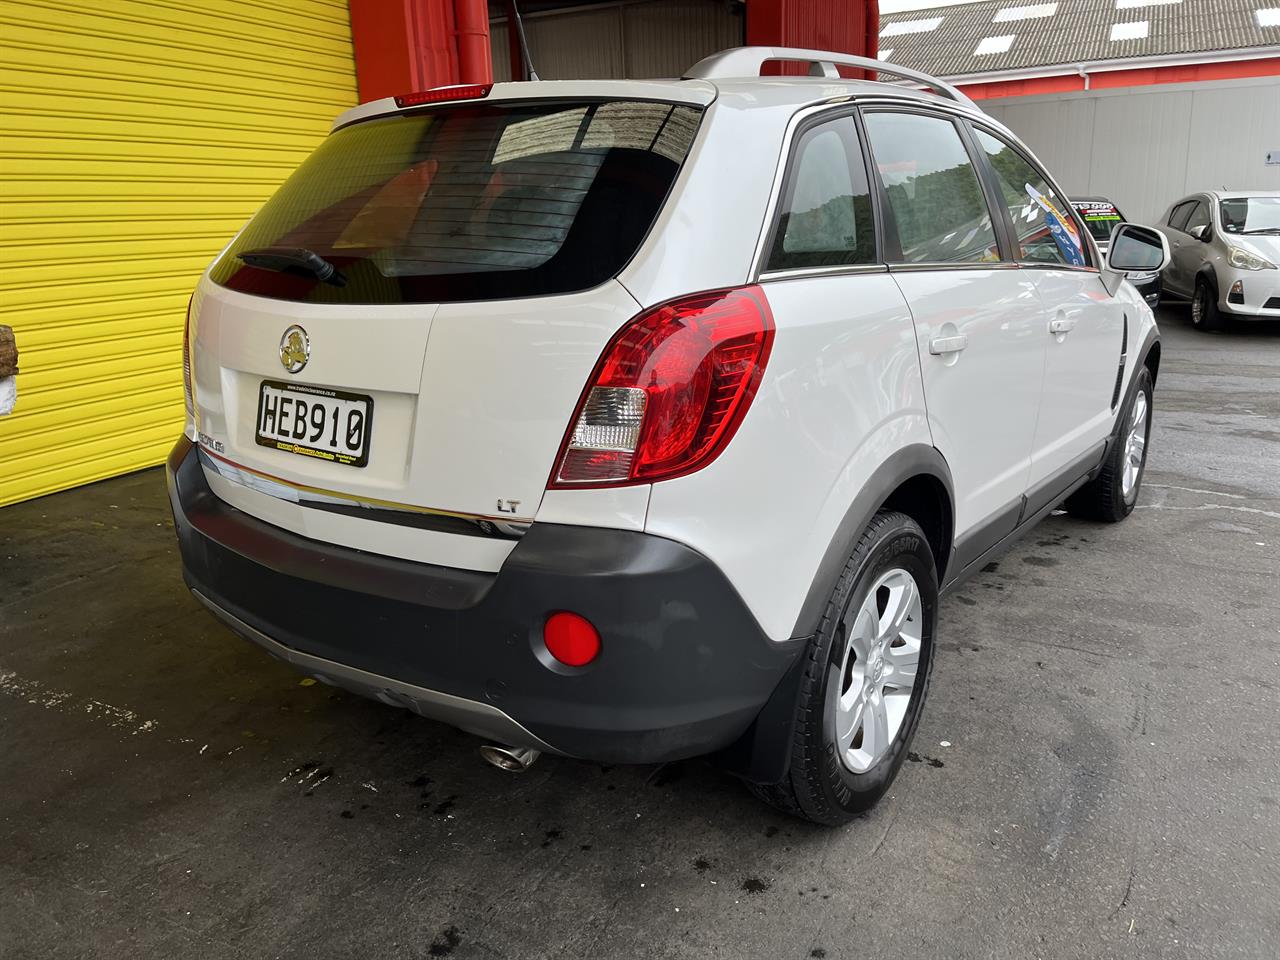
(135, 138)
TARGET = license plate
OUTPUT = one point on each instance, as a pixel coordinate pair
(315, 422)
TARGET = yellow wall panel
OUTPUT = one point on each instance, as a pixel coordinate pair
(135, 138)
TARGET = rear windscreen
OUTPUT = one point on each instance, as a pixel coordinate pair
(465, 203)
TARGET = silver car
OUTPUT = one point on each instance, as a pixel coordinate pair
(1225, 245)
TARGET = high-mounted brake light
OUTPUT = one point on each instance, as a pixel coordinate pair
(461, 91)
(669, 391)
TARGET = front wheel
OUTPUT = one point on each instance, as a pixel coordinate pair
(1113, 493)
(1205, 314)
(865, 678)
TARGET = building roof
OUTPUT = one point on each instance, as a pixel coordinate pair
(993, 36)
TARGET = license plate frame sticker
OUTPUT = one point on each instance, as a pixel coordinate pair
(314, 422)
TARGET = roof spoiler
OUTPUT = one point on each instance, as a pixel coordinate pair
(747, 61)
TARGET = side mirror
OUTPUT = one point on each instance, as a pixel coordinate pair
(1200, 232)
(1134, 247)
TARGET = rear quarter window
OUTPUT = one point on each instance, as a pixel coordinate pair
(475, 202)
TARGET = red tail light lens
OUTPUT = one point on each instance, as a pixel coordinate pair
(669, 391)
(187, 395)
(461, 91)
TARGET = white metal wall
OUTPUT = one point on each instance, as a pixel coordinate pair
(1145, 147)
(631, 38)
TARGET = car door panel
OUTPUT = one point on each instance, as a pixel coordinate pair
(1084, 339)
(1082, 323)
(978, 318)
(983, 399)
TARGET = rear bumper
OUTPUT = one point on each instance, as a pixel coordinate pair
(684, 668)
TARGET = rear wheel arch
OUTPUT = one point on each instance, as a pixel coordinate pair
(914, 480)
(927, 500)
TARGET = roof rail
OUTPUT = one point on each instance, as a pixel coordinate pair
(747, 61)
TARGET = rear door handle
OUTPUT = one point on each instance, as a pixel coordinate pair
(1061, 325)
(940, 346)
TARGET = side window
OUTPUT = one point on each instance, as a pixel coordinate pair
(1178, 217)
(1199, 216)
(1043, 227)
(825, 215)
(935, 198)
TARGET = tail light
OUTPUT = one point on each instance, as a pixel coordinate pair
(670, 390)
(459, 91)
(188, 397)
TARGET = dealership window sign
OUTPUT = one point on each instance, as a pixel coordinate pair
(1273, 158)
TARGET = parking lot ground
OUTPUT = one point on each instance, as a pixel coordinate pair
(1097, 773)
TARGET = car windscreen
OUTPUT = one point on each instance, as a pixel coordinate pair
(1256, 215)
(1100, 217)
(475, 202)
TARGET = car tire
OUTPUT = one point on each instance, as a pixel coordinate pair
(1205, 314)
(1113, 493)
(841, 765)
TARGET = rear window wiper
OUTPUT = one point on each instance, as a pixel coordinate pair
(286, 259)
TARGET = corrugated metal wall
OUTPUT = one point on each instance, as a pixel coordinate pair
(635, 39)
(135, 139)
(1145, 147)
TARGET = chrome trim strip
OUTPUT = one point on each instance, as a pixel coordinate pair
(799, 273)
(480, 719)
(967, 265)
(321, 495)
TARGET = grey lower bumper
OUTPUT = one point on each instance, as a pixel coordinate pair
(481, 719)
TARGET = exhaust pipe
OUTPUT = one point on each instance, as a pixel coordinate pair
(510, 759)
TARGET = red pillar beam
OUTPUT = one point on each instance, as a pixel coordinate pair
(406, 45)
(843, 26)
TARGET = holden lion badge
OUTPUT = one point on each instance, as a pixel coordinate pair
(295, 349)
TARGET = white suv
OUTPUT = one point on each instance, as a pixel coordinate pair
(635, 421)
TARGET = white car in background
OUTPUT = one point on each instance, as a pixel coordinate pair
(642, 420)
(1225, 247)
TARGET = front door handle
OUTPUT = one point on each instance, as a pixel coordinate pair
(940, 346)
(1061, 325)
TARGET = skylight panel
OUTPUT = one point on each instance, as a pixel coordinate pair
(1267, 16)
(911, 26)
(990, 45)
(885, 54)
(1137, 30)
(1032, 12)
(1134, 4)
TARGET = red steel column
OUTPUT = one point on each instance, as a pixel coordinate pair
(844, 26)
(406, 45)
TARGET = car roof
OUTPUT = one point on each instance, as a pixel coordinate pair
(1242, 194)
(742, 93)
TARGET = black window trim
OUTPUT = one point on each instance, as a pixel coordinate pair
(892, 250)
(1200, 200)
(1090, 265)
(789, 163)
(1189, 204)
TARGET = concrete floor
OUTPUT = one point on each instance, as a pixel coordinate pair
(1099, 769)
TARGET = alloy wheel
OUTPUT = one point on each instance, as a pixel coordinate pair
(882, 636)
(1135, 445)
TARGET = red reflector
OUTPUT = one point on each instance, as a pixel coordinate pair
(571, 639)
(670, 390)
(462, 91)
